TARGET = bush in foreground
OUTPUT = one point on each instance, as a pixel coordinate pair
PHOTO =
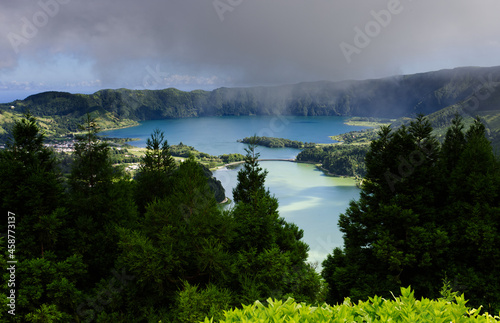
(405, 308)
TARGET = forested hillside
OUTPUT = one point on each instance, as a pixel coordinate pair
(391, 97)
(347, 158)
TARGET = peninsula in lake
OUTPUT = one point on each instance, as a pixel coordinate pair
(473, 89)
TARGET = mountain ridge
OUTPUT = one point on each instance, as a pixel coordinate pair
(393, 97)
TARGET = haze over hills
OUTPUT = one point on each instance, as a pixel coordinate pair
(474, 89)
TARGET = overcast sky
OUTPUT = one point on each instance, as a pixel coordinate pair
(85, 45)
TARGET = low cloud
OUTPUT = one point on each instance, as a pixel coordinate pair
(255, 42)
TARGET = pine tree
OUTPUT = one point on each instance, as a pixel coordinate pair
(424, 213)
(92, 166)
(154, 177)
(271, 258)
(30, 187)
(251, 177)
(100, 199)
(453, 144)
(157, 157)
(473, 209)
(391, 237)
(184, 240)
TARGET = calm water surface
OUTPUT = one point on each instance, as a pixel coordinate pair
(306, 196)
(219, 135)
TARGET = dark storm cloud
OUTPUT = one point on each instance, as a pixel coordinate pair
(251, 41)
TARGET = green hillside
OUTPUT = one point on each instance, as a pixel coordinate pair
(392, 97)
(347, 158)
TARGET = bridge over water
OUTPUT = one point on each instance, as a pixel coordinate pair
(264, 159)
(276, 159)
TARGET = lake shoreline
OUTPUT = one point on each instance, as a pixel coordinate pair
(319, 166)
(374, 123)
(324, 170)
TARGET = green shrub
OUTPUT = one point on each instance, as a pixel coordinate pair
(404, 308)
(193, 303)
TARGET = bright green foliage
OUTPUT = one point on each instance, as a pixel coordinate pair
(231, 158)
(44, 281)
(182, 150)
(194, 304)
(45, 314)
(405, 308)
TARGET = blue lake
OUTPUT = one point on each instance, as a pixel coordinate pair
(306, 196)
(219, 135)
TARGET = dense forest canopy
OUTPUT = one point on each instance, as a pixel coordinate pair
(273, 142)
(339, 160)
(101, 246)
(428, 212)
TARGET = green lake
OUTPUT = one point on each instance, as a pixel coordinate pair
(306, 196)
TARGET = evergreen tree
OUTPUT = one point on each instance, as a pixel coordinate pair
(424, 214)
(184, 240)
(92, 166)
(473, 209)
(157, 156)
(251, 178)
(30, 187)
(154, 177)
(391, 236)
(100, 199)
(271, 258)
(453, 144)
(50, 288)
